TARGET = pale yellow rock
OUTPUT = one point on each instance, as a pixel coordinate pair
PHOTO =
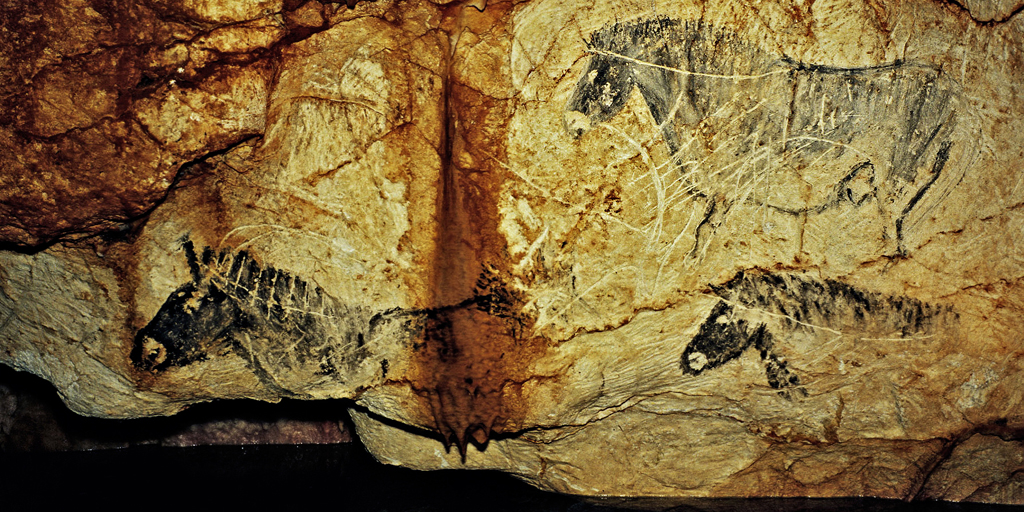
(991, 10)
(60, 319)
(222, 12)
(602, 238)
(188, 119)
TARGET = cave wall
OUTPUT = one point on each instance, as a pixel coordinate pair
(642, 248)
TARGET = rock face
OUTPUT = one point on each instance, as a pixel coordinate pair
(641, 249)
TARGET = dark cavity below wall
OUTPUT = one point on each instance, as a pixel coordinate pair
(340, 477)
(50, 455)
(33, 419)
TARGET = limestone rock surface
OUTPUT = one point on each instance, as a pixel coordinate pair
(634, 248)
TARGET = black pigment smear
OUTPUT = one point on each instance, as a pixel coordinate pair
(800, 302)
(742, 102)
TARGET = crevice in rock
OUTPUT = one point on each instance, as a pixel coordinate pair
(998, 428)
(922, 478)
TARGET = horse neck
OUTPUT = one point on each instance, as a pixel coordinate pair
(225, 306)
(655, 52)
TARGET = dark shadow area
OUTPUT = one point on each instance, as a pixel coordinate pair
(52, 456)
(34, 419)
(341, 476)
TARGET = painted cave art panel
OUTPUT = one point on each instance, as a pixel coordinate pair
(742, 125)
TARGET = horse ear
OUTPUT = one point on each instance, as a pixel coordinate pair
(191, 259)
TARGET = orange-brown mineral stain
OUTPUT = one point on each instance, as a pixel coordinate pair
(471, 372)
(474, 353)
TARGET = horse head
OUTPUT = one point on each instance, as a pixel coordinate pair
(194, 318)
(623, 56)
(601, 93)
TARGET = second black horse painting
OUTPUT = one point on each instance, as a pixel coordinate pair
(744, 125)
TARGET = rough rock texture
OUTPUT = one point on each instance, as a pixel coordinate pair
(104, 102)
(642, 248)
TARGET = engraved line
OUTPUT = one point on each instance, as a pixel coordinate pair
(691, 73)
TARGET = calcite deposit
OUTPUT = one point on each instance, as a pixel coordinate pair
(648, 248)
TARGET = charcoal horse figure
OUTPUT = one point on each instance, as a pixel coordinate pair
(742, 125)
(275, 321)
(756, 310)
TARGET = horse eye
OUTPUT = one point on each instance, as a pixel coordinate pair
(698, 361)
(155, 351)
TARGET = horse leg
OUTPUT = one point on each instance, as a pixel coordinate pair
(775, 368)
(941, 156)
(714, 216)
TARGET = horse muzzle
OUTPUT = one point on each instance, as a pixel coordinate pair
(576, 123)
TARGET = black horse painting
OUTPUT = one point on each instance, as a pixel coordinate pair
(289, 330)
(742, 125)
(295, 337)
(757, 310)
(275, 321)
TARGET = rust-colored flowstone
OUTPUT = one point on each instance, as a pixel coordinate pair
(475, 353)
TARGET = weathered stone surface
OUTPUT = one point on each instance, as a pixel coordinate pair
(652, 249)
(104, 102)
(990, 11)
(982, 468)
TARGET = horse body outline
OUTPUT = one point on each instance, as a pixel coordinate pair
(757, 120)
(757, 310)
(275, 321)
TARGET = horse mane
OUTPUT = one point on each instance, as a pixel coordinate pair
(686, 40)
(623, 35)
(271, 291)
(659, 29)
